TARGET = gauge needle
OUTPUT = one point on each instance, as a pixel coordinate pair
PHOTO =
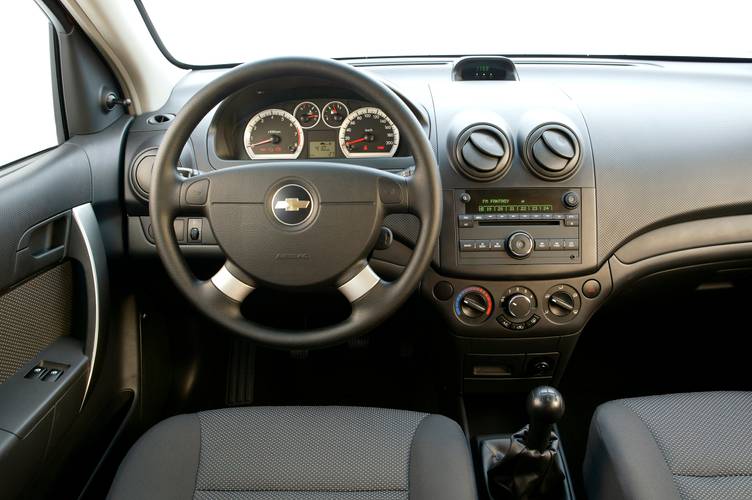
(348, 143)
(262, 142)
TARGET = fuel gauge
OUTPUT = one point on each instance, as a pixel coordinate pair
(335, 113)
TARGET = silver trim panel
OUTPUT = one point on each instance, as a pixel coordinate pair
(360, 284)
(231, 286)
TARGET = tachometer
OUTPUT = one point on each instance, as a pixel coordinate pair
(273, 134)
(368, 132)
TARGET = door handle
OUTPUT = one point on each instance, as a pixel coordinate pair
(42, 245)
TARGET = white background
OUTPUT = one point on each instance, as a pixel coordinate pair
(203, 32)
(27, 120)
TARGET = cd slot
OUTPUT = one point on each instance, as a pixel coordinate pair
(520, 222)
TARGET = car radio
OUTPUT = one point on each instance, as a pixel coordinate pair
(518, 226)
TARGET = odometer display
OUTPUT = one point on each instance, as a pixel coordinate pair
(273, 134)
(368, 132)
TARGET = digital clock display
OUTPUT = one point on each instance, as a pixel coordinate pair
(513, 201)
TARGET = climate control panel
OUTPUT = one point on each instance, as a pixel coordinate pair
(528, 308)
(518, 309)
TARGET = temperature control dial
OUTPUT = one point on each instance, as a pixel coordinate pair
(473, 305)
(562, 303)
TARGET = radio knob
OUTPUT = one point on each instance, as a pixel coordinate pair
(520, 245)
(519, 306)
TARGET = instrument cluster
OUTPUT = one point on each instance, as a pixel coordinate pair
(320, 129)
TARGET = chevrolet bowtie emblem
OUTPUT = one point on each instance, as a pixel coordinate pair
(291, 204)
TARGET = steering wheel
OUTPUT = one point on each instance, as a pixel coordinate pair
(295, 224)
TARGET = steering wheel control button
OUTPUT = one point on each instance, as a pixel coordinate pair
(197, 192)
(561, 303)
(520, 245)
(292, 205)
(591, 289)
(571, 200)
(390, 192)
(473, 305)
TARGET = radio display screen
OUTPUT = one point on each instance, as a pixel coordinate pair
(514, 201)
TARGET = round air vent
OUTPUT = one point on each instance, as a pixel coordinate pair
(552, 151)
(483, 153)
(141, 170)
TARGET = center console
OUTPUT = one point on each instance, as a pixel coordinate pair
(517, 274)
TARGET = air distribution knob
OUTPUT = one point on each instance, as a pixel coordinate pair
(520, 244)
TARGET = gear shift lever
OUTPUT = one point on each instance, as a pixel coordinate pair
(545, 407)
(526, 465)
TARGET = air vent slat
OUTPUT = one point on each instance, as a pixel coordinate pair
(547, 158)
(488, 144)
(477, 159)
(558, 143)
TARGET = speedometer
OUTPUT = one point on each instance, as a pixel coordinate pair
(368, 132)
(273, 134)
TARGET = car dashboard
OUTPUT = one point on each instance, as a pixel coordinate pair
(563, 182)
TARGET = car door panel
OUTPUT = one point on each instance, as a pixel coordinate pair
(53, 286)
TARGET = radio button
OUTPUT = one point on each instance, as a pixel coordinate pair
(467, 245)
(558, 216)
(497, 244)
(482, 245)
(571, 244)
(556, 244)
(572, 220)
(467, 223)
(547, 216)
(478, 216)
(514, 217)
(542, 244)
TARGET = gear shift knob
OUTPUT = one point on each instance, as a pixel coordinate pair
(545, 407)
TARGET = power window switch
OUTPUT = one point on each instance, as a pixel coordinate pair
(35, 372)
(52, 375)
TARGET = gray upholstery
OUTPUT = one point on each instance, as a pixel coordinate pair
(308, 453)
(693, 446)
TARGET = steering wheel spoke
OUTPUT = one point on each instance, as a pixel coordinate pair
(359, 283)
(232, 283)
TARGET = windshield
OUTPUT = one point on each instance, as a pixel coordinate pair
(199, 32)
